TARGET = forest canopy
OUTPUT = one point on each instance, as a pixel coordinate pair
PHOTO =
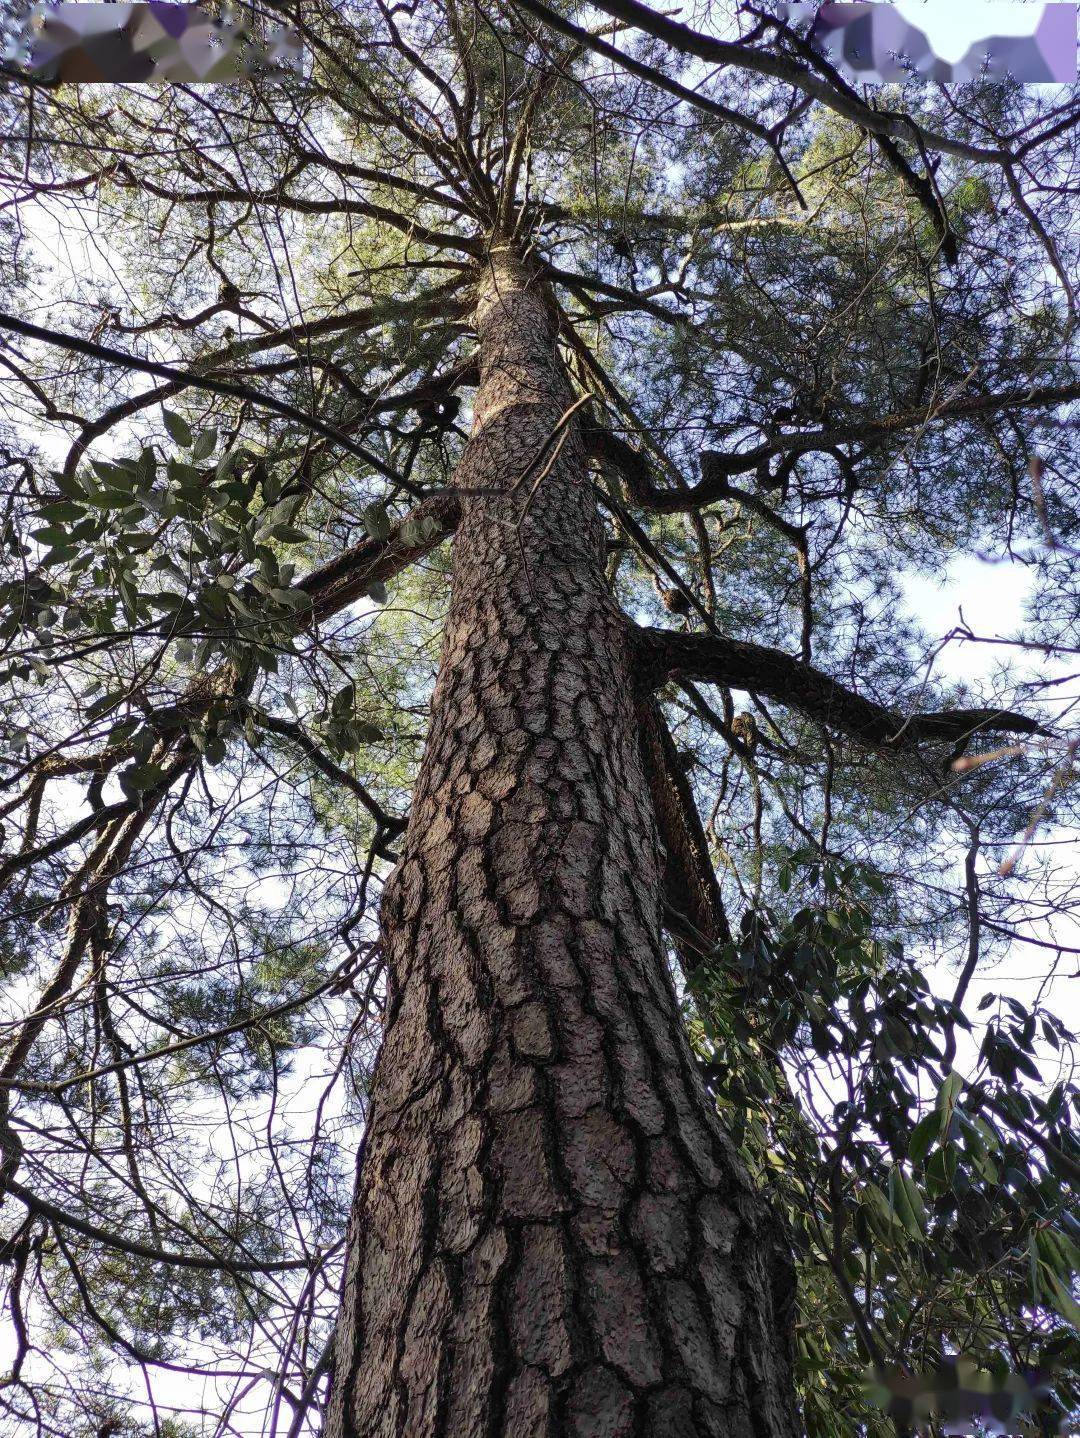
(807, 350)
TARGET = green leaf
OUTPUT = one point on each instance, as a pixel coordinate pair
(949, 1092)
(122, 731)
(106, 702)
(50, 535)
(360, 732)
(147, 467)
(294, 599)
(287, 534)
(376, 520)
(61, 509)
(140, 777)
(377, 591)
(62, 554)
(213, 602)
(900, 1202)
(225, 466)
(915, 1201)
(343, 701)
(215, 749)
(1059, 1295)
(165, 600)
(941, 1169)
(110, 499)
(115, 475)
(1025, 1066)
(178, 428)
(205, 442)
(68, 484)
(923, 1135)
(241, 606)
(879, 1209)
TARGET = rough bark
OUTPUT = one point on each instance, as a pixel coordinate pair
(551, 1235)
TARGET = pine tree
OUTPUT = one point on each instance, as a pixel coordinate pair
(490, 660)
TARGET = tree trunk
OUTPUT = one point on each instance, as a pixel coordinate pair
(551, 1235)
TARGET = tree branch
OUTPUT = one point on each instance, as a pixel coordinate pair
(774, 66)
(213, 1262)
(336, 584)
(665, 654)
(186, 378)
(695, 909)
(389, 824)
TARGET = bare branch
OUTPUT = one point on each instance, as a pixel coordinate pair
(666, 654)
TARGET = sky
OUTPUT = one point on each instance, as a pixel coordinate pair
(952, 25)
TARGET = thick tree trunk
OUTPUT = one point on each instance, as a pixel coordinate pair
(550, 1235)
